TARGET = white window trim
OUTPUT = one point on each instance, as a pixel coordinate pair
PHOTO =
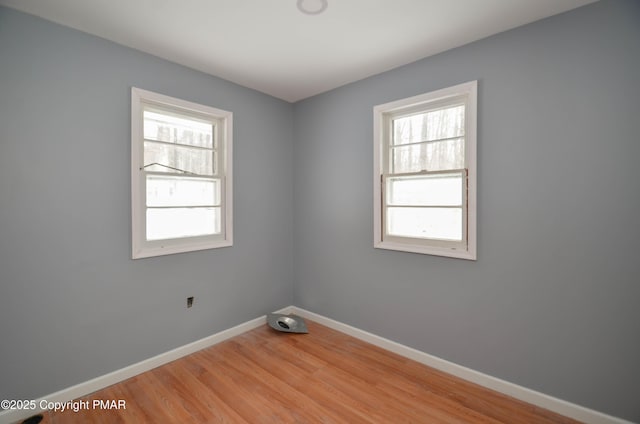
(380, 112)
(141, 248)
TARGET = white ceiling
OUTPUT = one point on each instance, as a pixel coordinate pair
(269, 45)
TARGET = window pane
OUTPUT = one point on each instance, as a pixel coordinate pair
(433, 125)
(428, 190)
(168, 158)
(182, 222)
(181, 191)
(431, 223)
(172, 128)
(435, 156)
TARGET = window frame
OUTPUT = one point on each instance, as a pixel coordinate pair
(223, 144)
(383, 116)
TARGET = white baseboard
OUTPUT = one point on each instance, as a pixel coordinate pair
(559, 406)
(568, 409)
(98, 383)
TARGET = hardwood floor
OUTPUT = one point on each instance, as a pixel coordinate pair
(264, 376)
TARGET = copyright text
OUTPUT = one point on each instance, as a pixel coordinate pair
(72, 405)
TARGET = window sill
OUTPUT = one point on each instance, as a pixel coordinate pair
(149, 252)
(427, 250)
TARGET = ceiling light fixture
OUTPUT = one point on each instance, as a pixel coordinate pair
(312, 7)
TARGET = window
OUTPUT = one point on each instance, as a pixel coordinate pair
(181, 186)
(425, 173)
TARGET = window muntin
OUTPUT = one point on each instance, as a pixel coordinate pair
(181, 175)
(425, 173)
(434, 156)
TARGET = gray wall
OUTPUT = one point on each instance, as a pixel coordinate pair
(552, 302)
(73, 305)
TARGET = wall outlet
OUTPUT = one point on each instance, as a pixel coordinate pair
(189, 301)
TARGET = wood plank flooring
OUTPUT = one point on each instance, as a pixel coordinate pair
(264, 376)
